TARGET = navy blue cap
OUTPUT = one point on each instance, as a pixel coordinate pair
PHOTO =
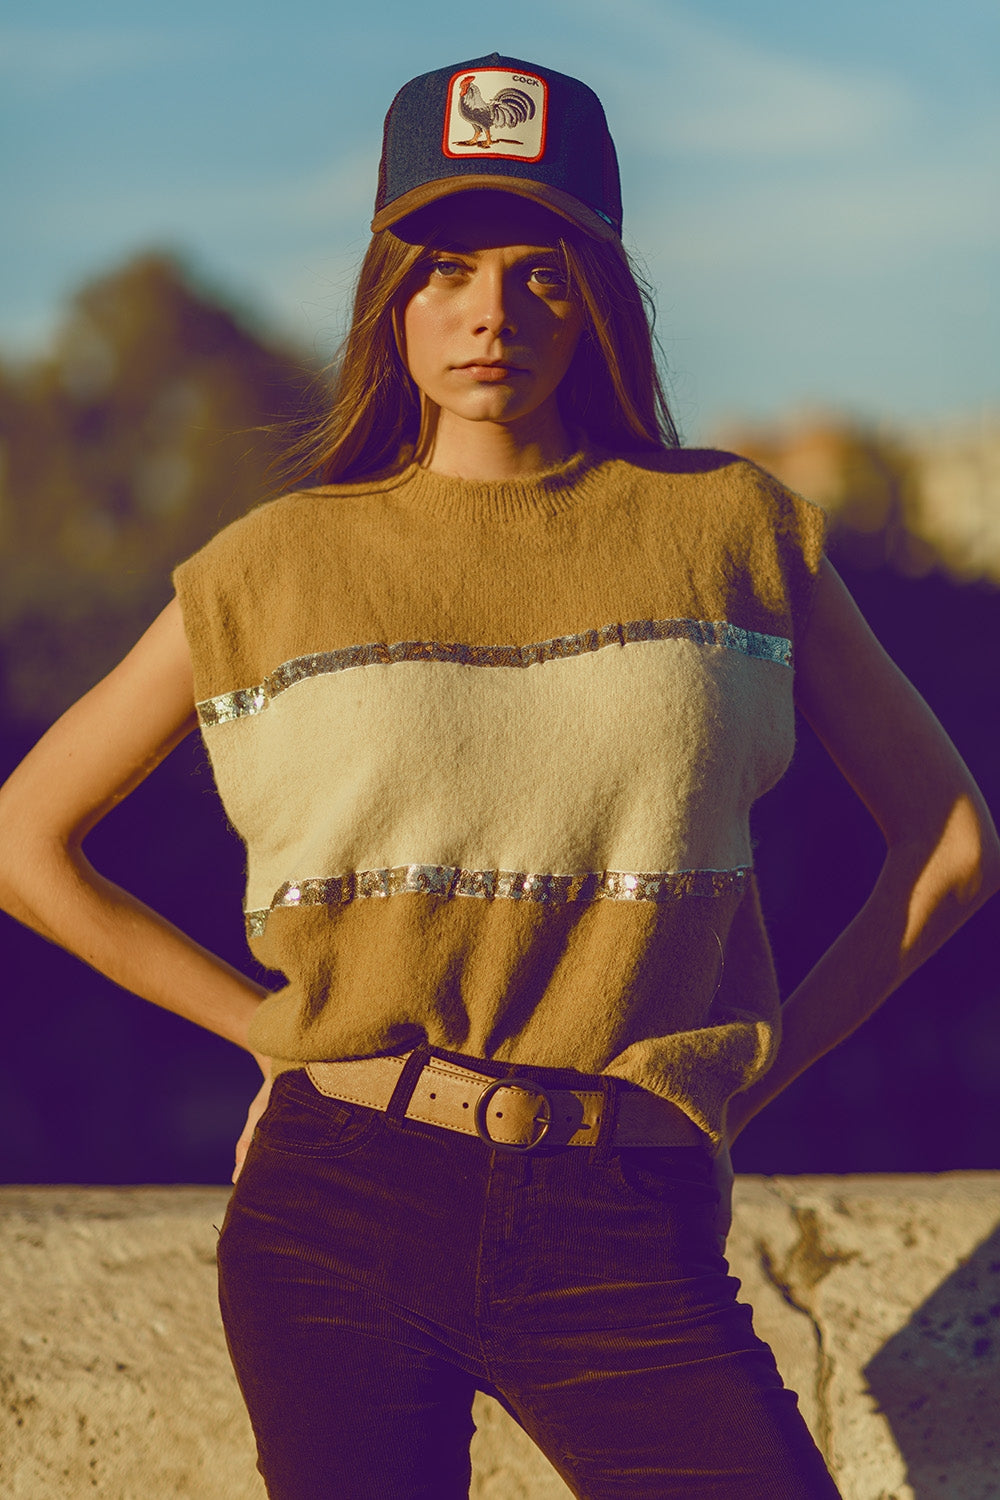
(497, 122)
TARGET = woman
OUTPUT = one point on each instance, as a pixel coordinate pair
(489, 708)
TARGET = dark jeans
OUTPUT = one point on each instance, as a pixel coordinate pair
(376, 1272)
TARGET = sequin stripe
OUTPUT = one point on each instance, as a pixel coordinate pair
(252, 700)
(501, 885)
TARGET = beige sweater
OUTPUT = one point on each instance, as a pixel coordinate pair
(492, 749)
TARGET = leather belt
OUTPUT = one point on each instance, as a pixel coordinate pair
(512, 1113)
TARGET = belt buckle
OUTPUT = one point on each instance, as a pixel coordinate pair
(482, 1105)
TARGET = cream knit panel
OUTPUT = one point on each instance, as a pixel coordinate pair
(642, 757)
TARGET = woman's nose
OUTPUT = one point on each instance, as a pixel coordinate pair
(492, 308)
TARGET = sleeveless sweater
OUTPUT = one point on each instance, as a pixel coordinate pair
(492, 749)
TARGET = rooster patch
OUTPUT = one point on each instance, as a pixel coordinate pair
(492, 112)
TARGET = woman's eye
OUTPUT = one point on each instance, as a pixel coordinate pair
(548, 276)
(445, 268)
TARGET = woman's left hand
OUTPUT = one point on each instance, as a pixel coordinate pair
(722, 1173)
(942, 852)
(257, 1108)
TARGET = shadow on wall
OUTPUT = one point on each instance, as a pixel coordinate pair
(937, 1381)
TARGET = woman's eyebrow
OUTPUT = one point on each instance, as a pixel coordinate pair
(457, 247)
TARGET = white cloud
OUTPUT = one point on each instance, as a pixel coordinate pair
(828, 221)
(36, 58)
(738, 156)
(290, 245)
(261, 207)
(684, 84)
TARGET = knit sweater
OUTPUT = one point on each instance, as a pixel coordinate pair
(492, 748)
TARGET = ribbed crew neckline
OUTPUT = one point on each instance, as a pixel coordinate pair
(546, 493)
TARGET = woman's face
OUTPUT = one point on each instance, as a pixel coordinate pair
(490, 330)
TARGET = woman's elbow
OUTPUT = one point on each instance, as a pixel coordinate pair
(966, 854)
(27, 855)
(987, 865)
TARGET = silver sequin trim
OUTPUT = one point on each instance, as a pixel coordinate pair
(253, 700)
(503, 885)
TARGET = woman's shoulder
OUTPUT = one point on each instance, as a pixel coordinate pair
(723, 482)
(300, 517)
(735, 514)
(310, 500)
(710, 469)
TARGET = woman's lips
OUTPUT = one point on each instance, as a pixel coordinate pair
(496, 373)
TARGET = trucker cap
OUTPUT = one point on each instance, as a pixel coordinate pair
(496, 122)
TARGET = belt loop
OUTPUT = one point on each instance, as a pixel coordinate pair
(406, 1082)
(610, 1094)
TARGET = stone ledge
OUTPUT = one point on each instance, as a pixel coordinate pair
(879, 1295)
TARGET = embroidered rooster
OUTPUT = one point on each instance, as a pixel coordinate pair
(510, 107)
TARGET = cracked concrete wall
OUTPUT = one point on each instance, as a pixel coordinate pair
(881, 1299)
(879, 1295)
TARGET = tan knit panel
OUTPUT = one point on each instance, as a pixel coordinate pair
(598, 988)
(327, 569)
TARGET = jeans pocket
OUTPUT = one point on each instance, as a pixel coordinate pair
(302, 1122)
(666, 1174)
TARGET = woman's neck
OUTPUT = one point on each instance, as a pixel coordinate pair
(487, 451)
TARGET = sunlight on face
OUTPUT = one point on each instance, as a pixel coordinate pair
(489, 329)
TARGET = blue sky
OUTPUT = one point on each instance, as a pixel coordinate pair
(812, 190)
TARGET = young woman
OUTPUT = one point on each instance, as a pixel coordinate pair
(489, 707)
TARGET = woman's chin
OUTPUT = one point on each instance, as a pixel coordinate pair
(501, 406)
(492, 404)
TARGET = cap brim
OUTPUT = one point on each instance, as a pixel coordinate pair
(554, 198)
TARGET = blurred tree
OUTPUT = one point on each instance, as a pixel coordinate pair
(152, 424)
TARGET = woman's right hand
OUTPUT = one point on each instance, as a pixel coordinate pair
(257, 1108)
(90, 759)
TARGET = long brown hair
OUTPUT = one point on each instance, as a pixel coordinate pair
(611, 395)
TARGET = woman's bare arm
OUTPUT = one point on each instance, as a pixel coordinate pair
(942, 859)
(89, 761)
